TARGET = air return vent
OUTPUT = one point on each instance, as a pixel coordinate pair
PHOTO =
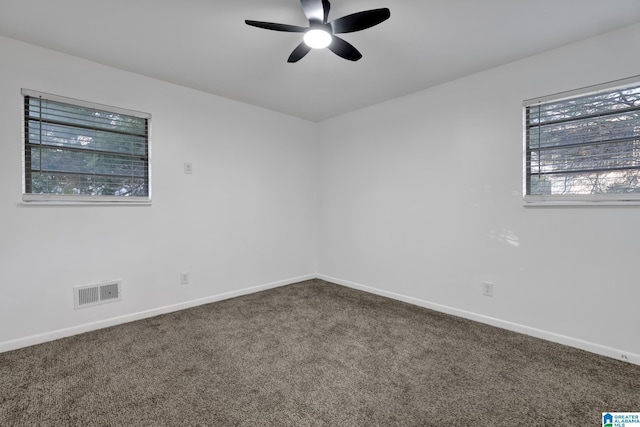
(99, 293)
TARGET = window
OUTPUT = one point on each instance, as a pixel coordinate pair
(584, 146)
(76, 151)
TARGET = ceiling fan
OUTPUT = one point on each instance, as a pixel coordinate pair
(320, 33)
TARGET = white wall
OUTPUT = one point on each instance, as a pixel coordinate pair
(244, 219)
(420, 198)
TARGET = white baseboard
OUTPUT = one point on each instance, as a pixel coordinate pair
(88, 327)
(515, 327)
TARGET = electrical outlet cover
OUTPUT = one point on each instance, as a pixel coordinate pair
(184, 278)
(487, 289)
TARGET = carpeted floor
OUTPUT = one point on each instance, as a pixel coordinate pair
(310, 354)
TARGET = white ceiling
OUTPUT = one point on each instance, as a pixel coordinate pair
(205, 44)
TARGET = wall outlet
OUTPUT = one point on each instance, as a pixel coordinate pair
(188, 168)
(184, 278)
(487, 289)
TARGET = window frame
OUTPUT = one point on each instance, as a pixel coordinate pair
(49, 198)
(609, 199)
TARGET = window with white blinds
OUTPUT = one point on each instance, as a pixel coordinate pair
(584, 146)
(76, 151)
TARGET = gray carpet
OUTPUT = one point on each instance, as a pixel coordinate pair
(310, 354)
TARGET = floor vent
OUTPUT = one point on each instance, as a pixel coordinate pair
(100, 293)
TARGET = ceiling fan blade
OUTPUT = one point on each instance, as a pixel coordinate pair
(327, 7)
(360, 21)
(299, 52)
(316, 11)
(276, 27)
(344, 49)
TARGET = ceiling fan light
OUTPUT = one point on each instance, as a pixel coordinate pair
(317, 39)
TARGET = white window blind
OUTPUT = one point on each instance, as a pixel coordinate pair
(76, 151)
(584, 145)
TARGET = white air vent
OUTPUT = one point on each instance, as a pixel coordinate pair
(99, 293)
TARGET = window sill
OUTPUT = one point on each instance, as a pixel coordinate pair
(564, 201)
(64, 200)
